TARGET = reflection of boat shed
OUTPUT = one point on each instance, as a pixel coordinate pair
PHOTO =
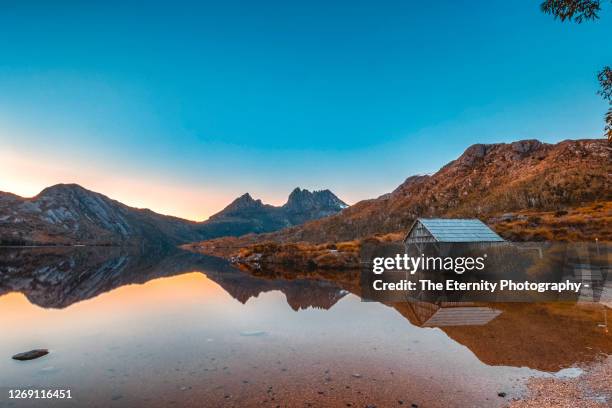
(442, 230)
(451, 314)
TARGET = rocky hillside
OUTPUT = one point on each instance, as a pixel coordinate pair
(71, 214)
(247, 215)
(68, 214)
(487, 181)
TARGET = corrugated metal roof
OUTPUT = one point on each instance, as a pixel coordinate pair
(459, 230)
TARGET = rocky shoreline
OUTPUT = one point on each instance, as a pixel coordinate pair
(591, 389)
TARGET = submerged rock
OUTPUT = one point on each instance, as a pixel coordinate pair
(31, 355)
(252, 333)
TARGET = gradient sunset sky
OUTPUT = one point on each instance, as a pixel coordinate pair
(183, 106)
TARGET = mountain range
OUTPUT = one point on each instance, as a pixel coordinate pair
(493, 182)
(68, 214)
(246, 215)
(488, 181)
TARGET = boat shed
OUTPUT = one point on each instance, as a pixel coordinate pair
(430, 230)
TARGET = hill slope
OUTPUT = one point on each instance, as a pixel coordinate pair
(486, 181)
(71, 214)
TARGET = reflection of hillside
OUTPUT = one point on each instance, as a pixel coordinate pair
(300, 293)
(543, 336)
(59, 277)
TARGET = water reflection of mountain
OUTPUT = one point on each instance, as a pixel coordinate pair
(544, 336)
(58, 277)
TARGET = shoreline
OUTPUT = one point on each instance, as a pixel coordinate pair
(589, 389)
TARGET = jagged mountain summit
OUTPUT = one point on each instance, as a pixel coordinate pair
(303, 205)
(246, 215)
(68, 214)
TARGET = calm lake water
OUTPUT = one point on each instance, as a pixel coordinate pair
(174, 328)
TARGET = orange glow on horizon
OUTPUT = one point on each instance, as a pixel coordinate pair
(150, 296)
(28, 177)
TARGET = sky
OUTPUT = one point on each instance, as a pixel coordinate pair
(183, 106)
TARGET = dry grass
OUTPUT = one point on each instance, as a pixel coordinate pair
(302, 255)
(584, 223)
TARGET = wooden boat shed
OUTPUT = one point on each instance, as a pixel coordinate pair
(449, 230)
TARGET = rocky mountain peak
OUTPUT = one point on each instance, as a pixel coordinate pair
(474, 153)
(518, 150)
(245, 198)
(297, 196)
(302, 199)
(63, 190)
(242, 203)
(526, 146)
(246, 215)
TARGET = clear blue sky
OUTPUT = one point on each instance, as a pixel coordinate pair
(219, 98)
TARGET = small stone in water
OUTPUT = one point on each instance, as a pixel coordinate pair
(31, 355)
(252, 333)
(501, 394)
(357, 375)
(49, 370)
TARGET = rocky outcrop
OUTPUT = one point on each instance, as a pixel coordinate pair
(246, 215)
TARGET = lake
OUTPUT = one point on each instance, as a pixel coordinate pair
(173, 328)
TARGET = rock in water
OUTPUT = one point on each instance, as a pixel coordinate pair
(252, 333)
(31, 355)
